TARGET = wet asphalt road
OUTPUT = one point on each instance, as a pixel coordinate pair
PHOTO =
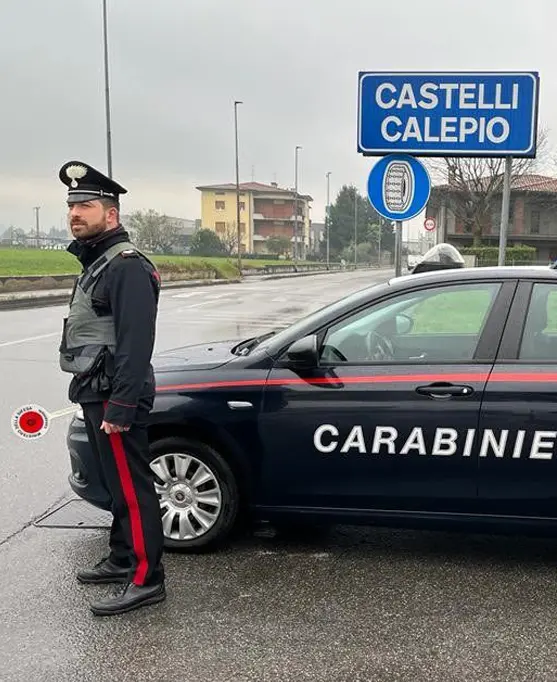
(355, 604)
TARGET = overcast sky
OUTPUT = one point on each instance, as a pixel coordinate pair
(177, 65)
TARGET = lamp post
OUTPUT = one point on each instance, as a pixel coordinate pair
(327, 217)
(107, 92)
(239, 233)
(355, 227)
(37, 224)
(296, 203)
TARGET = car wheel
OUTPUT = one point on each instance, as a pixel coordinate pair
(197, 491)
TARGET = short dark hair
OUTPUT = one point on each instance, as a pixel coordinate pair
(108, 203)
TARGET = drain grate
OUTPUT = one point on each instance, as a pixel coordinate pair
(76, 514)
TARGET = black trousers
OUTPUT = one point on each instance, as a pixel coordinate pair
(136, 536)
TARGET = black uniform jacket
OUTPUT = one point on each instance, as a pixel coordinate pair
(129, 290)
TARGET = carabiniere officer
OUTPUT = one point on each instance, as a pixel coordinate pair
(107, 346)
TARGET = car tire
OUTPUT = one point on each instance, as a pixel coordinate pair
(223, 482)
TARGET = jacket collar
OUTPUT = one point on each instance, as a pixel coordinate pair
(89, 250)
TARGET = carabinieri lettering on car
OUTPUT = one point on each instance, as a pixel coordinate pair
(328, 439)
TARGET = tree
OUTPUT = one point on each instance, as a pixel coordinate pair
(279, 244)
(205, 242)
(153, 232)
(473, 187)
(229, 238)
(368, 224)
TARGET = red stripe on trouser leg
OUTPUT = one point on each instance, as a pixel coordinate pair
(133, 506)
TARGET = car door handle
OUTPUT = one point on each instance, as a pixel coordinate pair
(444, 391)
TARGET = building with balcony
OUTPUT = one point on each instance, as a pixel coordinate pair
(532, 216)
(265, 211)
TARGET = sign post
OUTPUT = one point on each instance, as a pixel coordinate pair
(505, 211)
(450, 114)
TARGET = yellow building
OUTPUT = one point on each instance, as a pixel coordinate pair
(265, 211)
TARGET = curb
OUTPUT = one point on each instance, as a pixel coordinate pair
(16, 301)
(20, 301)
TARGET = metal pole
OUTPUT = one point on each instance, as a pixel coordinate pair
(355, 227)
(327, 218)
(296, 203)
(107, 92)
(398, 248)
(238, 231)
(505, 210)
(37, 230)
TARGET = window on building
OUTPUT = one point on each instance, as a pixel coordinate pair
(220, 205)
(535, 220)
(242, 205)
(220, 227)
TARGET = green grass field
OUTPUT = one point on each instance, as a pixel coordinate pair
(29, 262)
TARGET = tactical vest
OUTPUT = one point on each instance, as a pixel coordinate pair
(87, 337)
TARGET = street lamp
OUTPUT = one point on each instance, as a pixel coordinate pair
(296, 204)
(328, 176)
(239, 234)
(107, 92)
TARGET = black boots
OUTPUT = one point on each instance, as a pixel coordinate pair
(104, 572)
(131, 597)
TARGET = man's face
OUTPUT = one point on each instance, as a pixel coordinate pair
(89, 219)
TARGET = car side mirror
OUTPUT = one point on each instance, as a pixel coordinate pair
(303, 352)
(403, 324)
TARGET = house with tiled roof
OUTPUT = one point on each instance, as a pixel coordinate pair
(265, 211)
(532, 216)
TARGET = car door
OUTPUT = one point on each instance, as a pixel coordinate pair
(518, 422)
(383, 421)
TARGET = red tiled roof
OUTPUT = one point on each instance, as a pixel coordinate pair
(523, 183)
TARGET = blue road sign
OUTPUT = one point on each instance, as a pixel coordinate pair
(448, 114)
(398, 187)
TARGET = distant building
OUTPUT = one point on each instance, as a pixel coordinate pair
(316, 236)
(532, 216)
(265, 211)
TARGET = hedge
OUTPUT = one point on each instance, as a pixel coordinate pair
(490, 254)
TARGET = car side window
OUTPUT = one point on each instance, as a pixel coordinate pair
(439, 324)
(539, 337)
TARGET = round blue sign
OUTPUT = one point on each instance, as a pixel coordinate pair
(398, 187)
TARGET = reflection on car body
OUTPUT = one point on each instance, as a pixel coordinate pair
(425, 400)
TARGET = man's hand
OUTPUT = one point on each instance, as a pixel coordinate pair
(113, 428)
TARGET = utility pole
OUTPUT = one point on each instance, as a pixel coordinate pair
(107, 92)
(37, 224)
(239, 233)
(327, 228)
(296, 203)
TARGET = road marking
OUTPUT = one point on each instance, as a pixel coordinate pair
(5, 344)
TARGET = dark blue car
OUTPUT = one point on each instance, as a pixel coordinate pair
(426, 401)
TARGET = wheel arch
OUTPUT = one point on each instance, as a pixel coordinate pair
(214, 436)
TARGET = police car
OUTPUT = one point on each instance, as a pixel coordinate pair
(429, 400)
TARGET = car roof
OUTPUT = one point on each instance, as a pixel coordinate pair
(460, 274)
